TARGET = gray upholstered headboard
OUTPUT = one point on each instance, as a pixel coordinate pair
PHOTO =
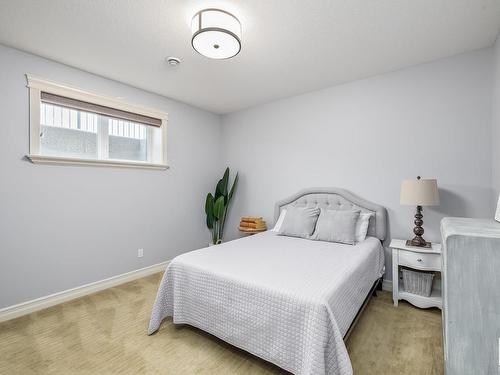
(335, 198)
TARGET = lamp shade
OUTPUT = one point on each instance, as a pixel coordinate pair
(419, 192)
(216, 34)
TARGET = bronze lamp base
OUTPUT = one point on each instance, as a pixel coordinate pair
(418, 240)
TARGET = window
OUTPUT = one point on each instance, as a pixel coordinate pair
(70, 126)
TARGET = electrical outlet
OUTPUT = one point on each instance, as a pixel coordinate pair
(140, 253)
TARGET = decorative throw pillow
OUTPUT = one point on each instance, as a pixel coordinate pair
(336, 226)
(279, 222)
(362, 226)
(299, 222)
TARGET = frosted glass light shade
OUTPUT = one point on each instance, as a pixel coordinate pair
(419, 193)
(216, 34)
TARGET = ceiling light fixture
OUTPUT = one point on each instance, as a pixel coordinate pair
(216, 34)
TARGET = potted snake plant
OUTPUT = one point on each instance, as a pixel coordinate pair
(217, 204)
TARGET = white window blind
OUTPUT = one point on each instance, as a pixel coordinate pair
(99, 109)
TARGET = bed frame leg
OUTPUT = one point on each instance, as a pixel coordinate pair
(378, 287)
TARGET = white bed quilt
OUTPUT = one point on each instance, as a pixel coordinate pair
(287, 300)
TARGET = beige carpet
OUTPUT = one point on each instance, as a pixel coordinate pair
(106, 333)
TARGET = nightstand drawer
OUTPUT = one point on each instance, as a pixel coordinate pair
(420, 260)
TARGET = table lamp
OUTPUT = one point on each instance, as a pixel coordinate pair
(419, 192)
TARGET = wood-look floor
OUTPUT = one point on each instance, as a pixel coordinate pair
(105, 333)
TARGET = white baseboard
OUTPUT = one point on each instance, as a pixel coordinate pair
(11, 312)
(387, 285)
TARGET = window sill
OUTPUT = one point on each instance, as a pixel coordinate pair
(43, 159)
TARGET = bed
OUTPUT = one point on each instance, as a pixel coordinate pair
(290, 301)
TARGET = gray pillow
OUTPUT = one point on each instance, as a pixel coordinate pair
(299, 222)
(336, 226)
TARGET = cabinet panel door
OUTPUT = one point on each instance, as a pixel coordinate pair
(472, 304)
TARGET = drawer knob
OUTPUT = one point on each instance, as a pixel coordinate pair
(419, 259)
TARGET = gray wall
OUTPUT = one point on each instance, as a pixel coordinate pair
(65, 226)
(495, 139)
(367, 136)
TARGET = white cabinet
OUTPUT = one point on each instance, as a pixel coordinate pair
(471, 296)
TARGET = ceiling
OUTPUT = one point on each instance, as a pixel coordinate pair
(289, 46)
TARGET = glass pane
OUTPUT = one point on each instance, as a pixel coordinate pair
(67, 133)
(127, 140)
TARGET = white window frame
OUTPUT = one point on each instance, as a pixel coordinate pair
(37, 85)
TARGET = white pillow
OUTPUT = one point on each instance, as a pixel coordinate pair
(336, 226)
(299, 222)
(279, 222)
(362, 226)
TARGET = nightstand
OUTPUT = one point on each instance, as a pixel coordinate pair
(419, 259)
